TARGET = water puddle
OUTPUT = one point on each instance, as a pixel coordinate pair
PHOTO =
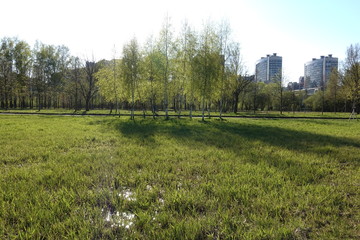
(126, 220)
(120, 219)
(127, 194)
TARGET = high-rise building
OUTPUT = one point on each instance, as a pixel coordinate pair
(268, 68)
(301, 82)
(317, 72)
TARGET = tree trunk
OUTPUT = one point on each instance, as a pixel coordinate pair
(236, 102)
(39, 102)
(203, 109)
(133, 105)
(87, 104)
(221, 107)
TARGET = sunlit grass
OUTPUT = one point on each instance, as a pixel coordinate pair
(84, 177)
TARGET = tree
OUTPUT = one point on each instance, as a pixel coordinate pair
(110, 82)
(7, 78)
(39, 71)
(88, 87)
(332, 89)
(238, 81)
(73, 86)
(352, 74)
(278, 90)
(49, 70)
(131, 70)
(152, 74)
(165, 48)
(314, 101)
(182, 66)
(223, 35)
(191, 73)
(208, 60)
(60, 76)
(22, 58)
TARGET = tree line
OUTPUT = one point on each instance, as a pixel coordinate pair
(191, 71)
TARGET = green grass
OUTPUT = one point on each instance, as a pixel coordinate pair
(66, 178)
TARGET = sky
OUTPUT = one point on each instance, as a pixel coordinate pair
(297, 30)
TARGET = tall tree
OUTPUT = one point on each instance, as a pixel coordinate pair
(238, 80)
(131, 70)
(59, 77)
(7, 78)
(73, 87)
(110, 82)
(22, 57)
(190, 66)
(49, 69)
(208, 61)
(39, 73)
(223, 35)
(165, 46)
(87, 84)
(352, 74)
(182, 65)
(333, 87)
(152, 74)
(277, 90)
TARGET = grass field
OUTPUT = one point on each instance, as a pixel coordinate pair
(89, 177)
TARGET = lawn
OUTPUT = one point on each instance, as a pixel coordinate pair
(91, 177)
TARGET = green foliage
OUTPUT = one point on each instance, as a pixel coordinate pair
(196, 70)
(352, 74)
(131, 70)
(241, 178)
(110, 81)
(152, 87)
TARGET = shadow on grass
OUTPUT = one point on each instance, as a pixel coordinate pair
(299, 141)
(243, 139)
(223, 134)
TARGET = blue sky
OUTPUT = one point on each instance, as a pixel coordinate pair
(296, 30)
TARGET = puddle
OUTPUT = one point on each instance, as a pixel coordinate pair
(120, 219)
(126, 220)
(127, 195)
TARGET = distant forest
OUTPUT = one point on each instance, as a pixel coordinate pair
(191, 70)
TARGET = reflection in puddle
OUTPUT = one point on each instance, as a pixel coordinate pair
(120, 219)
(127, 195)
(115, 218)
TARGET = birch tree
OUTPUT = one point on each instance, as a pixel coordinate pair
(208, 61)
(186, 51)
(190, 66)
(352, 75)
(333, 87)
(165, 47)
(131, 70)
(223, 35)
(152, 74)
(110, 83)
